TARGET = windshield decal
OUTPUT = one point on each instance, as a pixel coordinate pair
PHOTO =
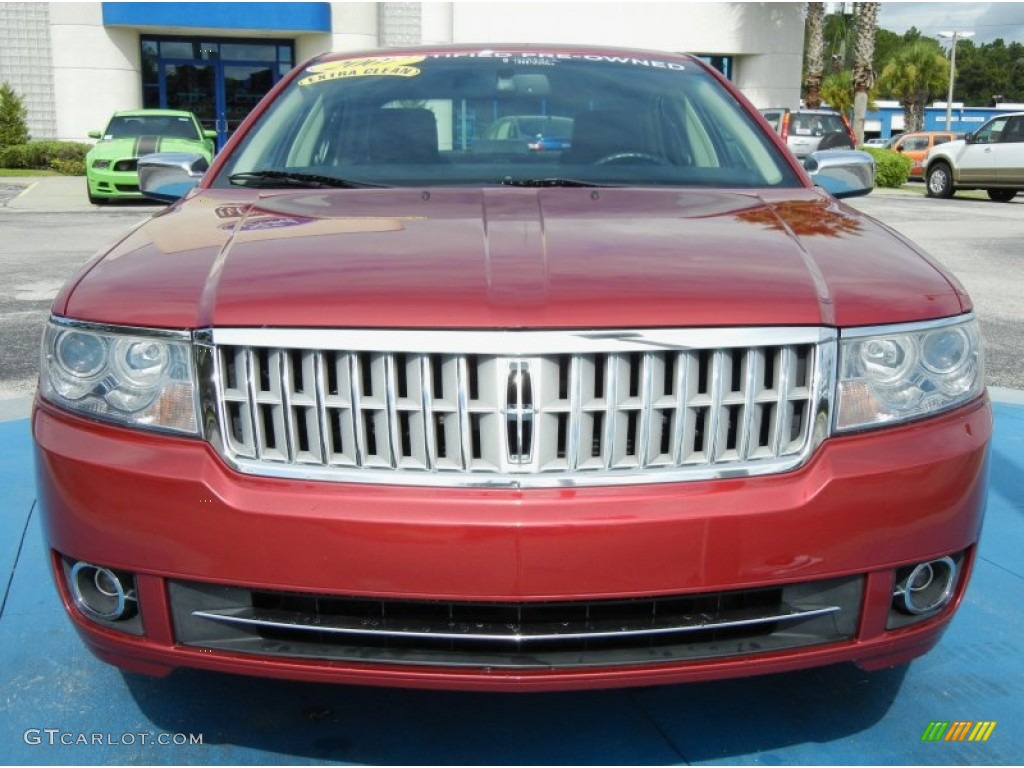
(548, 58)
(395, 66)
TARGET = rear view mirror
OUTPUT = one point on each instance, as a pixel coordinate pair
(842, 172)
(169, 176)
(524, 85)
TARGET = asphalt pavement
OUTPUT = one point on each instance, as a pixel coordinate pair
(59, 705)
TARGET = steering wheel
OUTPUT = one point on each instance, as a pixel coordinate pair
(625, 158)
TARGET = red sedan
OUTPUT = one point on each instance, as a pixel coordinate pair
(378, 401)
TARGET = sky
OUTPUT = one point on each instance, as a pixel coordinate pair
(987, 20)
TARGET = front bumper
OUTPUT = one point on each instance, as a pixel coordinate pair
(170, 512)
(120, 185)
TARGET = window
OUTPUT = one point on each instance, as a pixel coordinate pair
(1014, 131)
(467, 120)
(991, 132)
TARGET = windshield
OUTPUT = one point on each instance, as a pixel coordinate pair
(151, 125)
(816, 124)
(506, 118)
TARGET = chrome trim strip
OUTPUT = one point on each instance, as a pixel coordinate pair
(480, 479)
(131, 330)
(519, 343)
(895, 329)
(513, 637)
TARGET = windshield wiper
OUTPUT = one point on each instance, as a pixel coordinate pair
(555, 181)
(295, 179)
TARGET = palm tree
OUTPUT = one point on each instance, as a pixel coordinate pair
(863, 72)
(837, 91)
(815, 54)
(915, 75)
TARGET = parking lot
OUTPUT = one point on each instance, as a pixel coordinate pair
(61, 706)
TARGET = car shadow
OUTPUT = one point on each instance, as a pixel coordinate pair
(670, 724)
(144, 202)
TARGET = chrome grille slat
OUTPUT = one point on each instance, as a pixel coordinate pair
(406, 414)
(426, 403)
(321, 406)
(465, 427)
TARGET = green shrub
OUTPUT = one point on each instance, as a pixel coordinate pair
(16, 156)
(13, 128)
(891, 168)
(41, 155)
(68, 167)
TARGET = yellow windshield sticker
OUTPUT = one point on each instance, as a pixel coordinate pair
(395, 66)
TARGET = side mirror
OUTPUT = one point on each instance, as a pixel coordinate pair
(968, 138)
(842, 172)
(209, 134)
(169, 176)
(94, 134)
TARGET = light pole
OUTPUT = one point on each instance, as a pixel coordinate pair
(954, 36)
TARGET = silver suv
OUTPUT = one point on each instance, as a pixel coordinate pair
(991, 158)
(808, 130)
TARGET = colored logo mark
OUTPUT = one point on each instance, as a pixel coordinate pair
(958, 730)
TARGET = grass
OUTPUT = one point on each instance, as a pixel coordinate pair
(11, 172)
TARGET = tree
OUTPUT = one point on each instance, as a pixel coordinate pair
(915, 75)
(863, 60)
(837, 91)
(815, 54)
(13, 128)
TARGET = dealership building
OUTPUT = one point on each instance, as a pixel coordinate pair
(76, 63)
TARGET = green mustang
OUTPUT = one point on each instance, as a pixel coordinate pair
(111, 166)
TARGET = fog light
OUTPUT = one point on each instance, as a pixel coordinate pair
(101, 593)
(925, 587)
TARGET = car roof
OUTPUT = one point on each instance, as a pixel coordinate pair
(153, 113)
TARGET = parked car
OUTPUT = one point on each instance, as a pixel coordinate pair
(369, 406)
(111, 165)
(915, 146)
(992, 158)
(878, 141)
(809, 130)
(538, 133)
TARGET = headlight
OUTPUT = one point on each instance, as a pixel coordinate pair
(100, 163)
(129, 376)
(896, 374)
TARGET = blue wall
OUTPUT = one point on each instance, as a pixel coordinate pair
(963, 119)
(286, 17)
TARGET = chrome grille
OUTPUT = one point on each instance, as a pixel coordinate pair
(586, 408)
(515, 635)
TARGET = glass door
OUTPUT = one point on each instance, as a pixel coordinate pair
(244, 86)
(192, 86)
(220, 81)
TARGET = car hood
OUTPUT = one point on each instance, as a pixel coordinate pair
(136, 146)
(510, 258)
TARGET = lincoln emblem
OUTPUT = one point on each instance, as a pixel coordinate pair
(519, 413)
